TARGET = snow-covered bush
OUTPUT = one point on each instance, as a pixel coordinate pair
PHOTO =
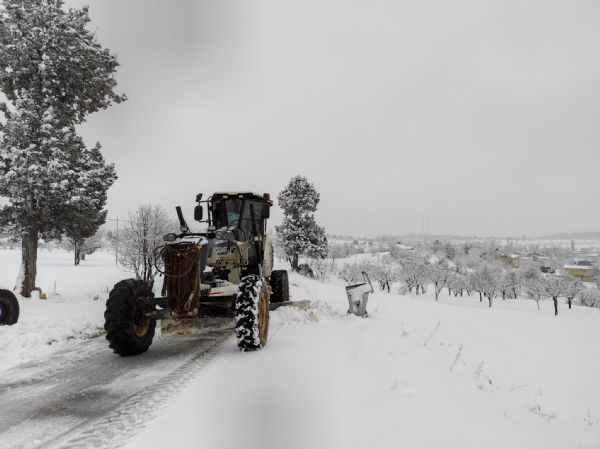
(589, 297)
(322, 268)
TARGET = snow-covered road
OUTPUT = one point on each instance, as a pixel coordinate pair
(85, 394)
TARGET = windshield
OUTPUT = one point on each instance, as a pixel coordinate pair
(226, 212)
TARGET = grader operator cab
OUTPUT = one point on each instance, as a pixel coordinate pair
(226, 270)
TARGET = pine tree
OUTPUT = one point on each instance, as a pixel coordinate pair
(53, 73)
(299, 233)
(83, 216)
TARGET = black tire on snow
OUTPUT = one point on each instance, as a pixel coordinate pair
(280, 286)
(9, 308)
(127, 330)
(252, 313)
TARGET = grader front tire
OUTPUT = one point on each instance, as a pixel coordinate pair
(128, 330)
(252, 313)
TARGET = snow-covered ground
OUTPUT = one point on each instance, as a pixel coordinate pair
(415, 373)
(74, 308)
(511, 376)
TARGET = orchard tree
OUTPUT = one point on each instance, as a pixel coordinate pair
(438, 275)
(533, 285)
(457, 283)
(299, 233)
(53, 72)
(386, 272)
(489, 282)
(350, 272)
(553, 287)
(572, 288)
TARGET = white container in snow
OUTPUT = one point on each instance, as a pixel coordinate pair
(358, 295)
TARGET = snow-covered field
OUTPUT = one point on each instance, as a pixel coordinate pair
(415, 373)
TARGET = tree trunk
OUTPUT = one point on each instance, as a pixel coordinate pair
(555, 305)
(490, 300)
(77, 250)
(437, 293)
(480, 297)
(295, 262)
(569, 300)
(29, 247)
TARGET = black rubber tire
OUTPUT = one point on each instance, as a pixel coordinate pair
(252, 327)
(280, 286)
(123, 335)
(9, 308)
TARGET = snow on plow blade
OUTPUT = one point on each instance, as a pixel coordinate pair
(303, 304)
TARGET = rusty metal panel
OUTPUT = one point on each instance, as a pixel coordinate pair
(181, 285)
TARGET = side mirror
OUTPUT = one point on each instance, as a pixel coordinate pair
(266, 211)
(198, 212)
(198, 197)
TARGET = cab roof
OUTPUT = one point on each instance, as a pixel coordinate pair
(240, 194)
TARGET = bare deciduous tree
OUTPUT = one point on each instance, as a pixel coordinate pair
(144, 232)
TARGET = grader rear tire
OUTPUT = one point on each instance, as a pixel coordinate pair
(252, 313)
(9, 308)
(128, 330)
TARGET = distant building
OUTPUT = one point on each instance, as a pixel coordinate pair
(583, 272)
(535, 256)
(549, 270)
(510, 259)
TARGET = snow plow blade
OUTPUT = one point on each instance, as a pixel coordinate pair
(191, 325)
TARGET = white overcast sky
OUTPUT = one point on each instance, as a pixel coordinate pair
(482, 115)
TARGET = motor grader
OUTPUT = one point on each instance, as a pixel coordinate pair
(224, 271)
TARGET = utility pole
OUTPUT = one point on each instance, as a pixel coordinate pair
(117, 244)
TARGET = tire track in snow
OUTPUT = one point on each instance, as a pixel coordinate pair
(115, 428)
